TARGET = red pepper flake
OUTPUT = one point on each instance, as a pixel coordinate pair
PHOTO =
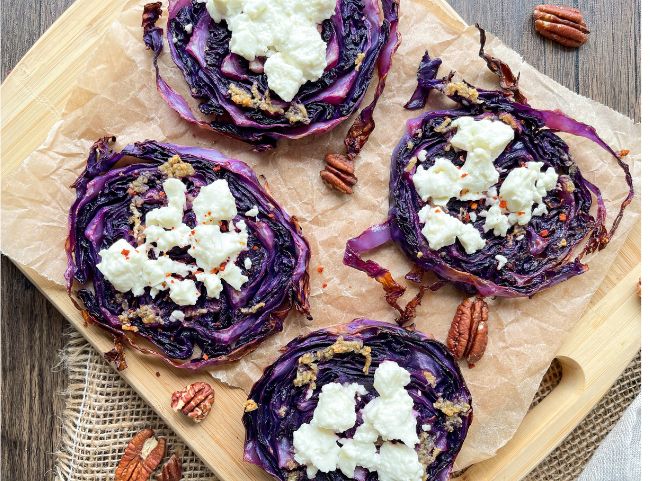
(503, 204)
(437, 210)
(255, 248)
(271, 215)
(544, 233)
(463, 175)
(222, 267)
(213, 270)
(320, 269)
(205, 357)
(125, 252)
(217, 168)
(562, 217)
(168, 274)
(521, 212)
(193, 232)
(324, 285)
(473, 206)
(623, 153)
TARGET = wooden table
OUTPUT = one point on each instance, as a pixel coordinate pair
(606, 69)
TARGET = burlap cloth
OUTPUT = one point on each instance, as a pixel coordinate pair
(102, 413)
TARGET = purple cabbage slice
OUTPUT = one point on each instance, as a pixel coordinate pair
(548, 250)
(361, 35)
(215, 330)
(280, 402)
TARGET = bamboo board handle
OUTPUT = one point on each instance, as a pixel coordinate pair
(598, 349)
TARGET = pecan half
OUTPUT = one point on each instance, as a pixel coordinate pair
(195, 400)
(564, 25)
(141, 457)
(172, 470)
(468, 334)
(339, 173)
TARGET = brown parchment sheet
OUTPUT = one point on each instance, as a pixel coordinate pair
(117, 96)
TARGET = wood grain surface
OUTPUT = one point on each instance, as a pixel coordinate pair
(605, 69)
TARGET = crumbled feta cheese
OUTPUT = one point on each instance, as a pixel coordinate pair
(472, 216)
(215, 252)
(336, 409)
(252, 212)
(422, 155)
(214, 203)
(439, 182)
(183, 293)
(211, 247)
(177, 315)
(170, 215)
(284, 32)
(483, 140)
(316, 448)
(426, 428)
(248, 263)
(526, 186)
(357, 453)
(440, 229)
(398, 462)
(188, 28)
(501, 261)
(390, 415)
(496, 221)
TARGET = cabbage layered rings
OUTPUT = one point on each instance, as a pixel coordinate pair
(180, 252)
(233, 93)
(371, 374)
(523, 230)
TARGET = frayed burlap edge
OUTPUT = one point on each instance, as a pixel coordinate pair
(102, 413)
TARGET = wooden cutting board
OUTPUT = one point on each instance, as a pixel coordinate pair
(593, 356)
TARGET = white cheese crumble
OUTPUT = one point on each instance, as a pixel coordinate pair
(177, 315)
(252, 212)
(215, 252)
(316, 448)
(399, 463)
(483, 140)
(501, 261)
(248, 263)
(524, 187)
(284, 32)
(390, 415)
(441, 229)
(336, 409)
(439, 183)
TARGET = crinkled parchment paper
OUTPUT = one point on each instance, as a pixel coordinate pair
(117, 96)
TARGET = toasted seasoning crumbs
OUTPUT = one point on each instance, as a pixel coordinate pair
(463, 90)
(250, 405)
(307, 364)
(253, 99)
(175, 167)
(359, 60)
(443, 125)
(563, 243)
(411, 164)
(297, 113)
